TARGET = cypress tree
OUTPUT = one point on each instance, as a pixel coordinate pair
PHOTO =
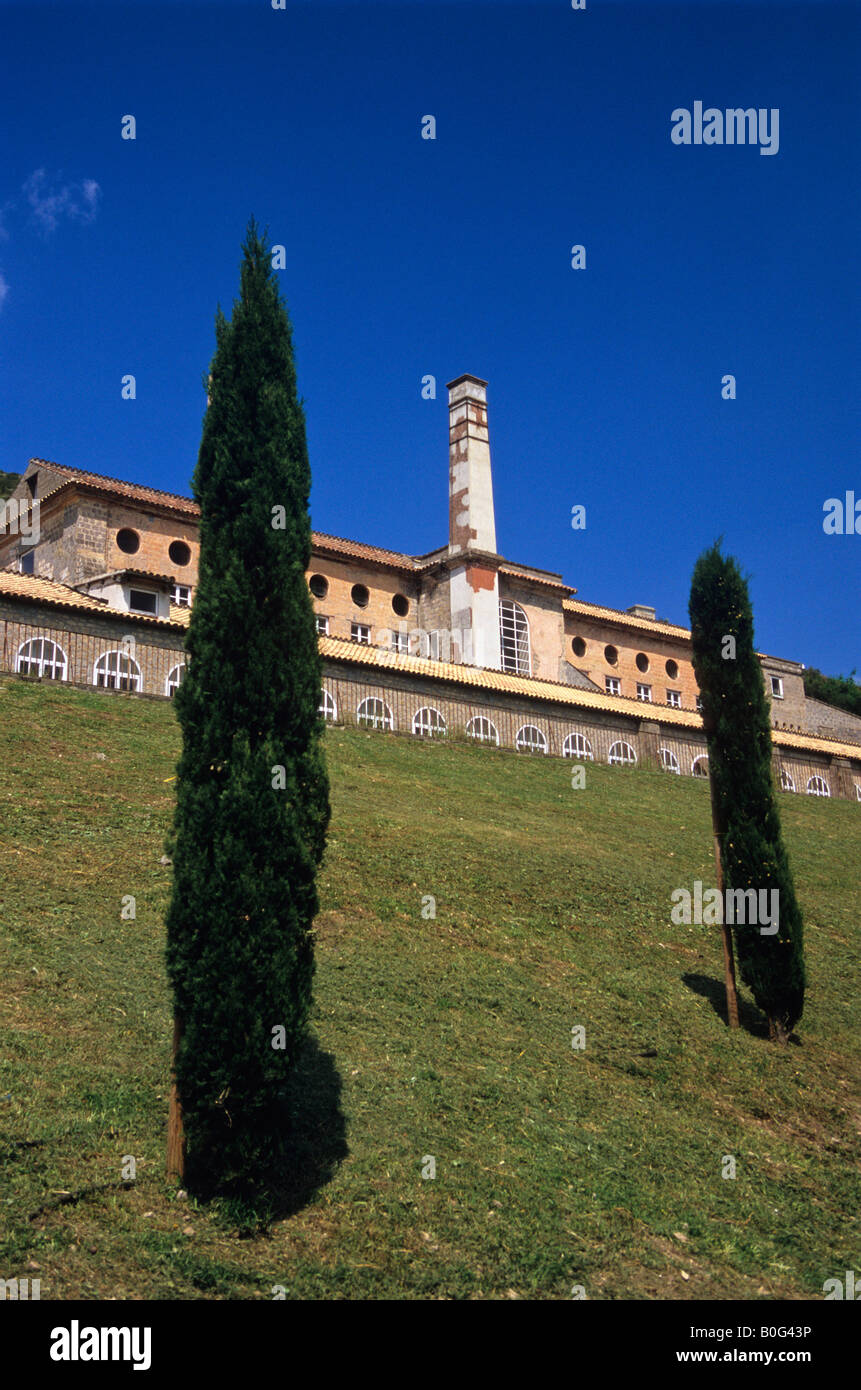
(738, 730)
(252, 792)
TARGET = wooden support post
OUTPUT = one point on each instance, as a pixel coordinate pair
(175, 1135)
(726, 934)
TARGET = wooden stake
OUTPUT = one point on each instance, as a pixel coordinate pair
(726, 933)
(175, 1135)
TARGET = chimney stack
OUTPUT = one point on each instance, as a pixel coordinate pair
(474, 585)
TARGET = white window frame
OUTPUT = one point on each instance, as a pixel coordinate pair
(817, 786)
(700, 758)
(787, 781)
(669, 761)
(858, 791)
(361, 632)
(327, 706)
(485, 732)
(131, 675)
(174, 680)
(56, 659)
(321, 625)
(176, 595)
(699, 704)
(644, 693)
(377, 716)
(577, 746)
(622, 755)
(612, 685)
(515, 647)
(674, 699)
(429, 723)
(777, 693)
(536, 742)
(150, 593)
(400, 642)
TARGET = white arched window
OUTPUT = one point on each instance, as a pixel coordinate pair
(531, 740)
(482, 730)
(375, 713)
(669, 761)
(514, 638)
(858, 791)
(41, 657)
(621, 752)
(175, 677)
(817, 786)
(787, 782)
(428, 722)
(117, 671)
(327, 706)
(577, 746)
(700, 766)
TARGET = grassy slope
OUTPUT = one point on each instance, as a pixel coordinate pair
(447, 1037)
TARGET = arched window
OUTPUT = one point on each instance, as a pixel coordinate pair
(482, 730)
(858, 791)
(41, 657)
(621, 752)
(375, 713)
(175, 677)
(531, 740)
(514, 638)
(700, 766)
(669, 761)
(817, 786)
(577, 746)
(428, 723)
(787, 782)
(327, 707)
(117, 671)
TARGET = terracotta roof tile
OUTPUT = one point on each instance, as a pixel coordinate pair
(134, 491)
(37, 590)
(615, 615)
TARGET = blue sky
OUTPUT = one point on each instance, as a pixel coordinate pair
(408, 256)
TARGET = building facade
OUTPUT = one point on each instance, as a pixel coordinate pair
(97, 579)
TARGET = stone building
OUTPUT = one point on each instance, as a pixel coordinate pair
(97, 578)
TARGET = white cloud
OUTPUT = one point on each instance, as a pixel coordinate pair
(50, 200)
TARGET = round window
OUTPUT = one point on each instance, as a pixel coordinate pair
(578, 646)
(128, 541)
(611, 655)
(319, 585)
(179, 552)
(360, 595)
(673, 670)
(401, 605)
(642, 661)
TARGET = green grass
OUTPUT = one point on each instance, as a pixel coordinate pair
(448, 1037)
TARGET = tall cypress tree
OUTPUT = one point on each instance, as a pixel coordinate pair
(738, 729)
(252, 792)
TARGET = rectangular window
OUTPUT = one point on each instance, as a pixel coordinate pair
(644, 692)
(27, 561)
(360, 633)
(699, 704)
(181, 595)
(674, 698)
(613, 685)
(400, 642)
(142, 601)
(322, 626)
(777, 687)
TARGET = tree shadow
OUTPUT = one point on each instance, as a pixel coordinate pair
(750, 1018)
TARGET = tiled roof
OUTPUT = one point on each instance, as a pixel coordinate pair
(134, 491)
(615, 615)
(37, 590)
(358, 653)
(359, 551)
(552, 581)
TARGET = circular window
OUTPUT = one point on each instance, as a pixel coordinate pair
(578, 646)
(642, 661)
(673, 670)
(401, 605)
(179, 552)
(360, 595)
(319, 585)
(611, 655)
(128, 541)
